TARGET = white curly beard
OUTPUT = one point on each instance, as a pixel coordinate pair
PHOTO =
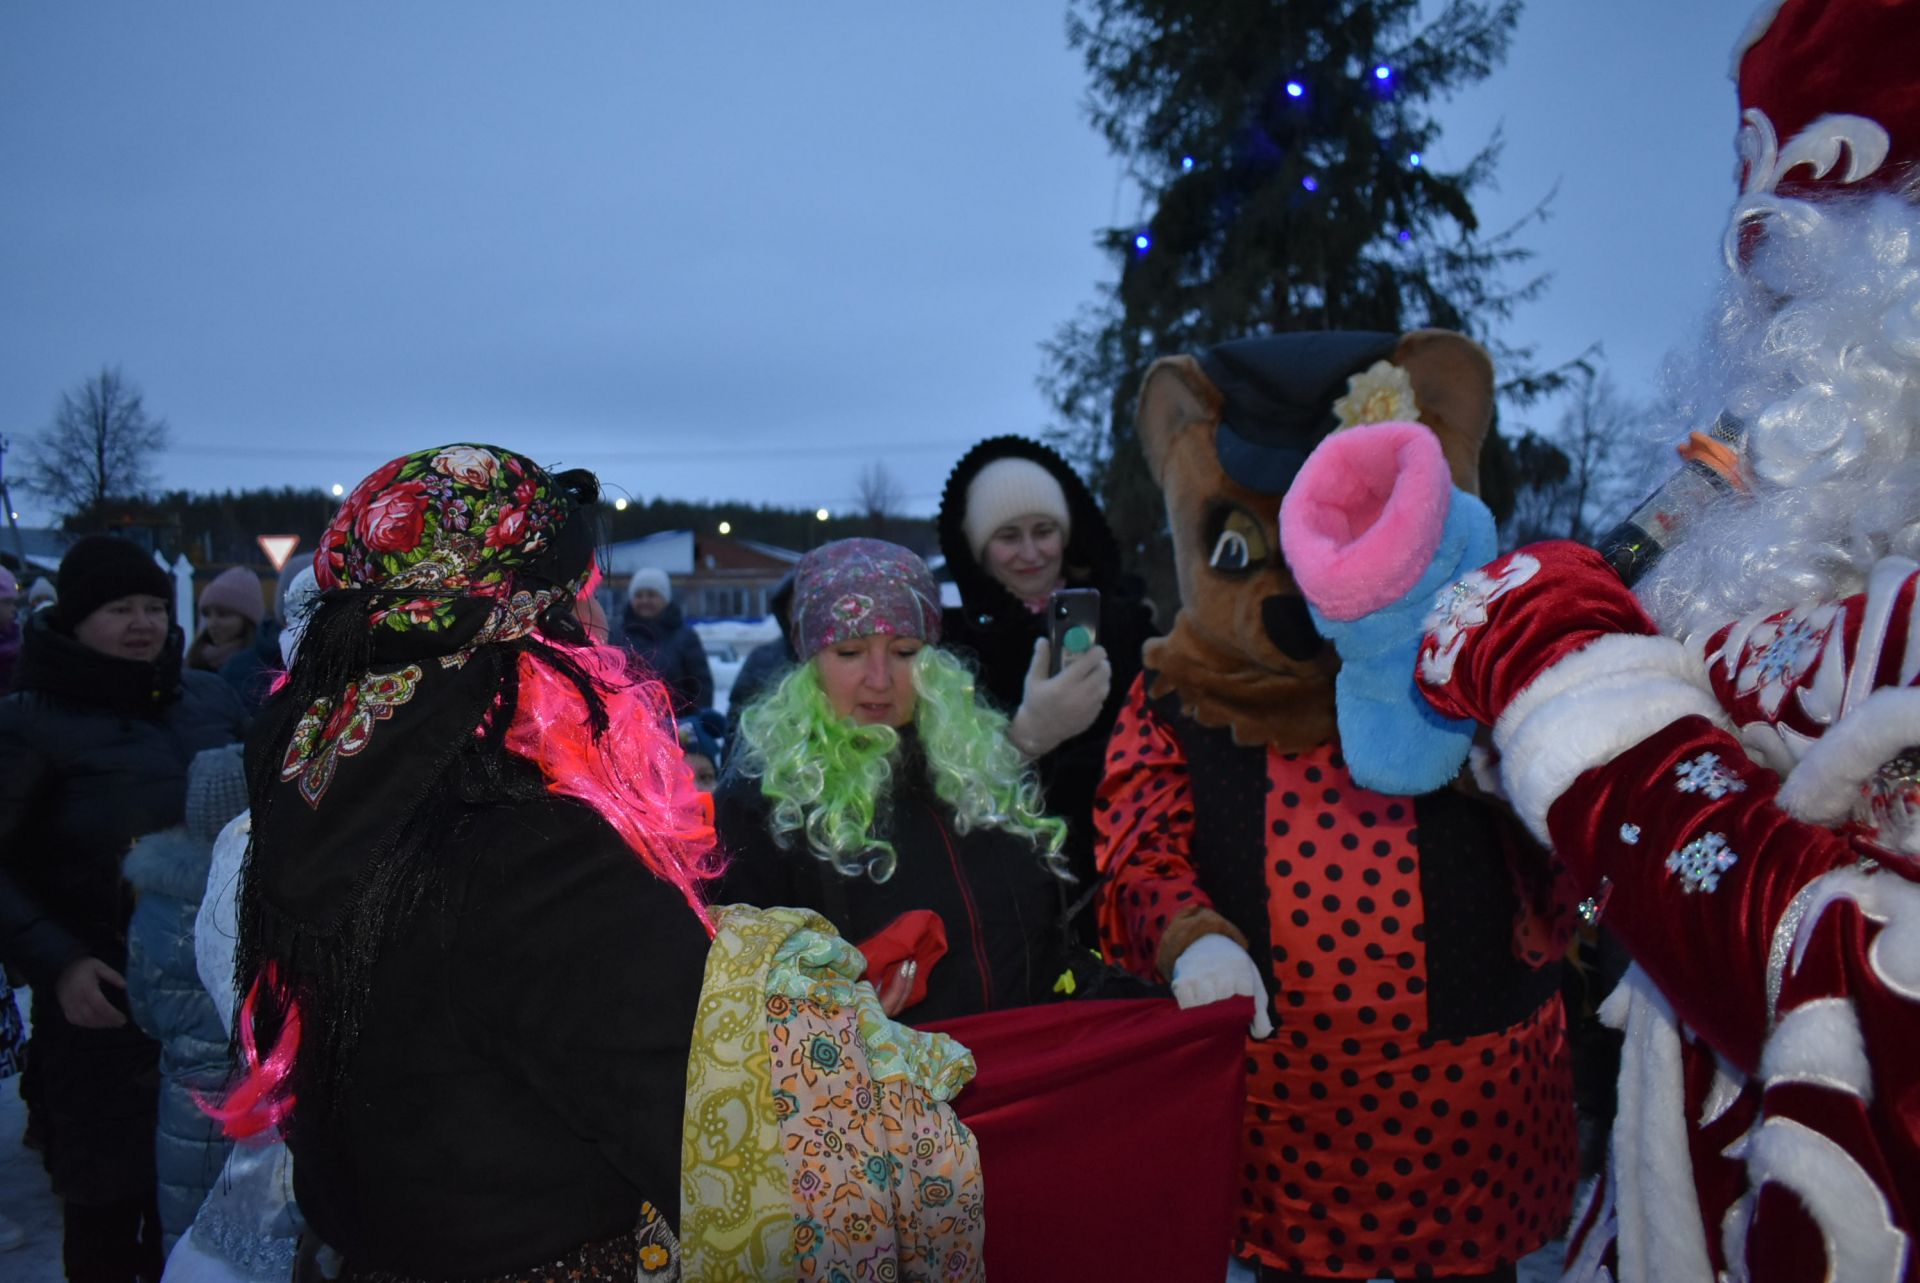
(1828, 384)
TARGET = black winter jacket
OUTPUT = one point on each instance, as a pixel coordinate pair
(997, 631)
(673, 652)
(93, 754)
(1000, 906)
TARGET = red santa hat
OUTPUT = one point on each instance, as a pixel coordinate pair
(1829, 101)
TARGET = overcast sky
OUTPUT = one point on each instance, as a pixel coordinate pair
(727, 250)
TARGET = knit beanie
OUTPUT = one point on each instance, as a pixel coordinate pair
(651, 577)
(1006, 489)
(238, 589)
(854, 588)
(103, 568)
(216, 790)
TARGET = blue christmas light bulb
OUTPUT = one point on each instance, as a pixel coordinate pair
(1142, 242)
(1383, 72)
(1186, 162)
(1295, 89)
(1311, 183)
(1414, 160)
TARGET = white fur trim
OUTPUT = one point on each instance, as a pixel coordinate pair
(1824, 786)
(1590, 707)
(1656, 1205)
(1819, 1042)
(216, 925)
(1863, 1244)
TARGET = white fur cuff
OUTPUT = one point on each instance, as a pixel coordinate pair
(1825, 784)
(1589, 708)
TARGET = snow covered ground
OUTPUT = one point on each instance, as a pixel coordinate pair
(26, 1198)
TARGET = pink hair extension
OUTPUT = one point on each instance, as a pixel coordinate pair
(634, 776)
(261, 1100)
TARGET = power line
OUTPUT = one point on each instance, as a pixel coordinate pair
(730, 454)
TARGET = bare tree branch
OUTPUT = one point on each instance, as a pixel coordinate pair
(99, 448)
(880, 496)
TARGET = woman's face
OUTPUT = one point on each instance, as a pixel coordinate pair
(647, 603)
(1025, 555)
(130, 627)
(870, 679)
(223, 626)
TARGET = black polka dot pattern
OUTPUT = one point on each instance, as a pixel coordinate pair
(1370, 1148)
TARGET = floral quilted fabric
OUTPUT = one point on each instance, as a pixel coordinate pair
(818, 1142)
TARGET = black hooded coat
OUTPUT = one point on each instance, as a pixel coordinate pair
(93, 754)
(997, 630)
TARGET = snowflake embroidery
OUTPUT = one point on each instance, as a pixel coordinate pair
(1462, 607)
(1780, 660)
(1630, 834)
(1701, 862)
(1704, 774)
(1780, 653)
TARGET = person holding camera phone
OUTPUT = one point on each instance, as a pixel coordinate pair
(1053, 623)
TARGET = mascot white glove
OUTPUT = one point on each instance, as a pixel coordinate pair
(1214, 968)
(1055, 709)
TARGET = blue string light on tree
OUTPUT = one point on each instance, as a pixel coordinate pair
(1142, 242)
(1296, 90)
(1186, 164)
(1311, 183)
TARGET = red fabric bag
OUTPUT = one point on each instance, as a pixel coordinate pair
(1109, 1132)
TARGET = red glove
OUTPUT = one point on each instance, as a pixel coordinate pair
(1549, 648)
(917, 936)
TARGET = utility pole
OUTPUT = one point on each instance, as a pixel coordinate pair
(13, 520)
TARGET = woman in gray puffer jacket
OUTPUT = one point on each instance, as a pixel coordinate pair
(168, 872)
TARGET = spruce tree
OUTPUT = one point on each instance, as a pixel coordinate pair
(1281, 148)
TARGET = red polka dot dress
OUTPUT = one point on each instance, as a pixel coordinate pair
(1384, 1135)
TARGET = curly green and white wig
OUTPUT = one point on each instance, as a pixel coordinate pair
(828, 777)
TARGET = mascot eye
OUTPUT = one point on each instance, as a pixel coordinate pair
(1231, 552)
(1239, 546)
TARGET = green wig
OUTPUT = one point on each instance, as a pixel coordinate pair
(828, 776)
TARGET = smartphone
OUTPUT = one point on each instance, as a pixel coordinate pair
(1068, 609)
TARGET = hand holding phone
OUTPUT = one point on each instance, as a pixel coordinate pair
(1073, 625)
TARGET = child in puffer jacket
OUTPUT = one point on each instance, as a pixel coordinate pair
(168, 872)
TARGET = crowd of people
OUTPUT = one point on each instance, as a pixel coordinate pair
(408, 919)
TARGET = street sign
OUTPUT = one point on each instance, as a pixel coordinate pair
(278, 548)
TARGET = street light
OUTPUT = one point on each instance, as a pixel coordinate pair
(726, 527)
(821, 514)
(338, 489)
(620, 505)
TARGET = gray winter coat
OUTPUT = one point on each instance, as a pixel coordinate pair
(168, 872)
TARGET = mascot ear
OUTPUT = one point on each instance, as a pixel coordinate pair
(1174, 396)
(1452, 379)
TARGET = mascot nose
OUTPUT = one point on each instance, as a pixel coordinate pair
(1290, 627)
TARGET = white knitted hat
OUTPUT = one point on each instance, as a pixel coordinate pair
(651, 577)
(1007, 488)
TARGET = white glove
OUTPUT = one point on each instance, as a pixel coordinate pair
(1055, 709)
(1213, 969)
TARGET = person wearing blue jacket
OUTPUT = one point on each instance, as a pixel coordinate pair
(168, 873)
